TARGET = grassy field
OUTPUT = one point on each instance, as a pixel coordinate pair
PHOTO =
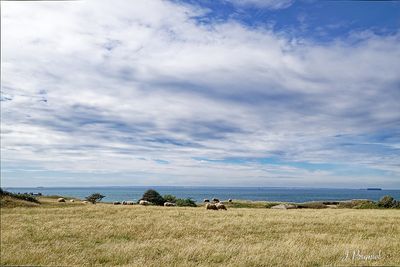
(103, 234)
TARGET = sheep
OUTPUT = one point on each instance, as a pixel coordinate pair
(230, 200)
(144, 202)
(116, 203)
(85, 202)
(169, 204)
(129, 203)
(216, 200)
(71, 200)
(124, 203)
(210, 206)
(220, 206)
(61, 199)
(206, 200)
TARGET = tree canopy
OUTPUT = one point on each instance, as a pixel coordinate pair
(96, 197)
(154, 197)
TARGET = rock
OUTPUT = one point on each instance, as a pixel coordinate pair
(284, 206)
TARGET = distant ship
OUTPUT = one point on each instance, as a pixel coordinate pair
(374, 188)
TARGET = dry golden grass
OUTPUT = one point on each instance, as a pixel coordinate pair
(103, 234)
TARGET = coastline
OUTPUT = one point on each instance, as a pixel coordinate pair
(270, 194)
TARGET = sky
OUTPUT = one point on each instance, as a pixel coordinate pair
(213, 93)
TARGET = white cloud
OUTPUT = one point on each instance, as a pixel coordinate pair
(100, 86)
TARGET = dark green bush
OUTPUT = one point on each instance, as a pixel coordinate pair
(387, 202)
(25, 197)
(187, 202)
(169, 198)
(96, 197)
(355, 203)
(154, 197)
(250, 204)
(367, 205)
(384, 202)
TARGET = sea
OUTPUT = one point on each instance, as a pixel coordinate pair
(198, 193)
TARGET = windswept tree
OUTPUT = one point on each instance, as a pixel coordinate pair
(94, 198)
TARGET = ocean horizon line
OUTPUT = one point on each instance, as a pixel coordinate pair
(201, 186)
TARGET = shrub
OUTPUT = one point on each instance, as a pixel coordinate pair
(387, 202)
(250, 204)
(96, 197)
(367, 205)
(154, 197)
(170, 198)
(187, 202)
(346, 205)
(356, 203)
(25, 197)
